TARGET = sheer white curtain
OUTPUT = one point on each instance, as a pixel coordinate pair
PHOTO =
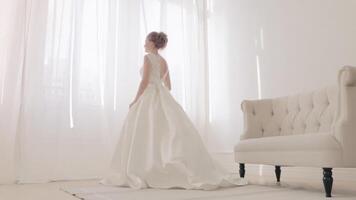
(69, 70)
(11, 54)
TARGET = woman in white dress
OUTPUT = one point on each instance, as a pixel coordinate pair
(159, 147)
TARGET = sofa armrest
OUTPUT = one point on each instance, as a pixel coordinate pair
(347, 76)
(253, 112)
(345, 120)
(346, 109)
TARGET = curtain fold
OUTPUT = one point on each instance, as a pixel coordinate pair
(11, 74)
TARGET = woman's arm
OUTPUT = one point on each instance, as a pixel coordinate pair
(166, 77)
(144, 81)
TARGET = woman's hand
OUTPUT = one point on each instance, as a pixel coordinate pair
(131, 104)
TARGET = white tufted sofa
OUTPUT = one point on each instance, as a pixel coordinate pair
(315, 129)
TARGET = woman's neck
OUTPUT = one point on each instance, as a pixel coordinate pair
(154, 52)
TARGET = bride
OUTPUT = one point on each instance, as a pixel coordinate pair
(159, 147)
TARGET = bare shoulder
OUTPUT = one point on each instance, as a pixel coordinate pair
(146, 60)
(146, 65)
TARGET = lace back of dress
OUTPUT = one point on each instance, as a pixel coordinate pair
(155, 75)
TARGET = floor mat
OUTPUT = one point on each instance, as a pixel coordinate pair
(250, 192)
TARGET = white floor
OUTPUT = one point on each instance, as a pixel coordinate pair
(260, 188)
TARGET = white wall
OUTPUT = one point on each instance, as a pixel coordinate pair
(300, 44)
(305, 42)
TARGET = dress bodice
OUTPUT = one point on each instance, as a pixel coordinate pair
(155, 73)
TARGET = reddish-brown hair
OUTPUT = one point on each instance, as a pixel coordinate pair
(159, 39)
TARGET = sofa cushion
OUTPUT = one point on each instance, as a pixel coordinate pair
(311, 142)
(318, 150)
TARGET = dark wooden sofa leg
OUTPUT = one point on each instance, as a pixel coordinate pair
(278, 173)
(242, 170)
(328, 181)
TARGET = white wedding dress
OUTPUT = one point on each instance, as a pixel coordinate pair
(159, 147)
